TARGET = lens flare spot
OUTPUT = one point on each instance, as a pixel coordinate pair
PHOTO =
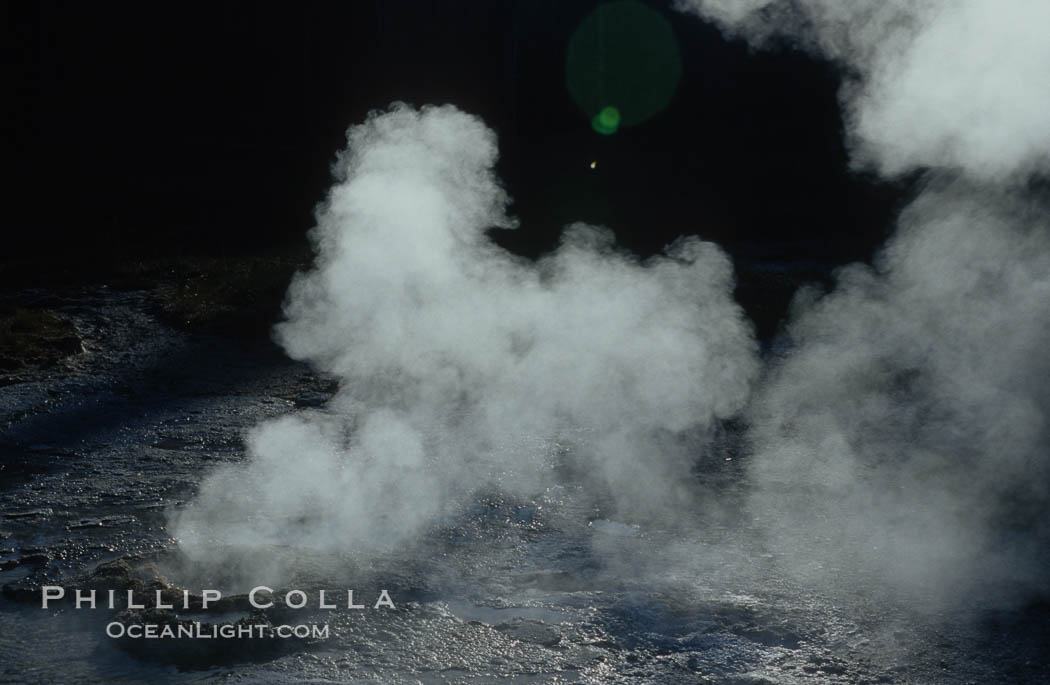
(606, 121)
(626, 53)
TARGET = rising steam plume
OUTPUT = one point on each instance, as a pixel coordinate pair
(905, 435)
(462, 365)
(902, 438)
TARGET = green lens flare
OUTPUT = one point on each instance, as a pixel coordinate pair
(625, 53)
(606, 121)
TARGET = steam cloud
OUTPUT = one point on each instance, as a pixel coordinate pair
(941, 83)
(904, 437)
(459, 362)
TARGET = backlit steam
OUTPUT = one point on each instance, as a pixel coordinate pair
(900, 443)
(905, 435)
(459, 362)
(944, 83)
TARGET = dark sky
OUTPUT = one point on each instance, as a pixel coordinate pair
(210, 127)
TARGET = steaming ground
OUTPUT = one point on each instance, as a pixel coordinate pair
(908, 425)
(549, 587)
(457, 359)
(906, 429)
(538, 589)
(901, 436)
(578, 470)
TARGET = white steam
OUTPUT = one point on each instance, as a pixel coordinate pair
(907, 430)
(902, 439)
(905, 435)
(945, 83)
(458, 361)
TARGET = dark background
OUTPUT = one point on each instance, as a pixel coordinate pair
(160, 128)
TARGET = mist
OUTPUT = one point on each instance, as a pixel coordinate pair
(900, 440)
(905, 435)
(896, 440)
(462, 367)
(932, 83)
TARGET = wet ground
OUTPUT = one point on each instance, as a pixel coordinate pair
(96, 450)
